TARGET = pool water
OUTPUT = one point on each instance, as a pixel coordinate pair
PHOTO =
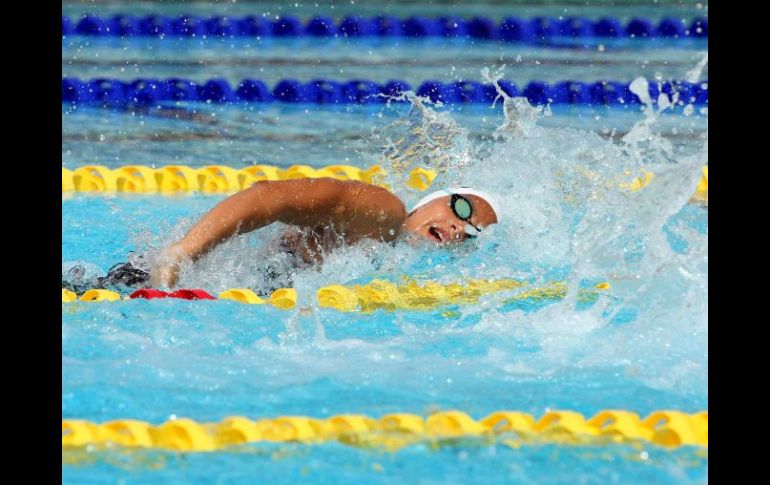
(642, 346)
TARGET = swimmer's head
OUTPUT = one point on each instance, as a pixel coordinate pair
(452, 215)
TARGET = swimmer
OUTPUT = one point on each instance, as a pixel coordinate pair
(322, 214)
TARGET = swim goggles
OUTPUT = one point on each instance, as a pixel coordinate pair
(463, 209)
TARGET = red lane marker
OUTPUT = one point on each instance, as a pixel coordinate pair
(187, 294)
(148, 293)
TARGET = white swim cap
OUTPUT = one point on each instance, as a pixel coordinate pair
(460, 191)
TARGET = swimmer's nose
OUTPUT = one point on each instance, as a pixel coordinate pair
(456, 232)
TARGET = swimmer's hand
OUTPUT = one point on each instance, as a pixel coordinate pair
(165, 272)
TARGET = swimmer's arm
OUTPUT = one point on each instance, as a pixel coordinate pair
(354, 208)
(367, 211)
(362, 209)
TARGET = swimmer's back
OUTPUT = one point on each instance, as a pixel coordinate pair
(352, 209)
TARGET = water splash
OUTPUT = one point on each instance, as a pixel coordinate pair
(566, 216)
(565, 205)
(694, 74)
(424, 138)
(641, 142)
(520, 117)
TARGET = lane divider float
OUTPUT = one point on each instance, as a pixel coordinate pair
(375, 295)
(510, 29)
(213, 179)
(221, 179)
(117, 93)
(666, 428)
(282, 298)
(388, 296)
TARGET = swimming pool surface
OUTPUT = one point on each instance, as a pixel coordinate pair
(642, 346)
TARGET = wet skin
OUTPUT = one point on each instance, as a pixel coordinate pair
(325, 213)
(437, 222)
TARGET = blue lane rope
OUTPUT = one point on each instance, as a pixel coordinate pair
(117, 93)
(511, 29)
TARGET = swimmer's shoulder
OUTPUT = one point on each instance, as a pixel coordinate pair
(355, 192)
(331, 190)
(373, 210)
(375, 197)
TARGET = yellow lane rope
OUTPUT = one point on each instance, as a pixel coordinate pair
(221, 179)
(667, 428)
(382, 295)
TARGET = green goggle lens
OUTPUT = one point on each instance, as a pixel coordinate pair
(462, 208)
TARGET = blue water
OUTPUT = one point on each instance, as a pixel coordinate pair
(379, 60)
(642, 346)
(333, 463)
(494, 9)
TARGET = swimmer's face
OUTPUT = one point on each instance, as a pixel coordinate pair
(437, 222)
